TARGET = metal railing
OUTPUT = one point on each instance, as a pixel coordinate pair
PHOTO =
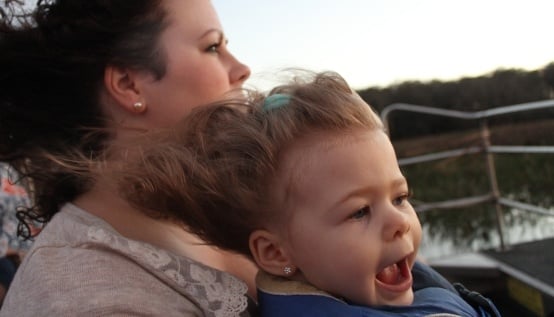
(486, 147)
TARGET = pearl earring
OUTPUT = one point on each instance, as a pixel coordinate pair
(287, 270)
(139, 107)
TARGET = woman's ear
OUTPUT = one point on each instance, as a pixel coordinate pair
(122, 85)
(268, 252)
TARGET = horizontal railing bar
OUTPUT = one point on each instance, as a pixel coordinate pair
(521, 149)
(475, 200)
(525, 206)
(475, 149)
(438, 155)
(463, 114)
(454, 203)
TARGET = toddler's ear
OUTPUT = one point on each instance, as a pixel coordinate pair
(268, 252)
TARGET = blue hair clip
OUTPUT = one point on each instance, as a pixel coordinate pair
(276, 101)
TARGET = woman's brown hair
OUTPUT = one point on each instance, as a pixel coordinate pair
(52, 63)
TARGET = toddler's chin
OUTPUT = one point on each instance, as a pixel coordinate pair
(404, 299)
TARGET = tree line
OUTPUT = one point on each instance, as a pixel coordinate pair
(499, 88)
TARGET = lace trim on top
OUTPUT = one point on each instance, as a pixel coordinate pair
(217, 293)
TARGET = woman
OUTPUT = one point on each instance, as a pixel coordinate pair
(115, 68)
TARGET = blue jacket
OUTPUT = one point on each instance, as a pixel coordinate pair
(278, 297)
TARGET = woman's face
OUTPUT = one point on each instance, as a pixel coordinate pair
(200, 69)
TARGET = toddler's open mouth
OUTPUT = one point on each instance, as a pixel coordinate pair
(396, 277)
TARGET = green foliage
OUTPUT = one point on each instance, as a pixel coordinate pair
(548, 75)
(527, 178)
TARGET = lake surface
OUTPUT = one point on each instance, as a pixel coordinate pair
(520, 226)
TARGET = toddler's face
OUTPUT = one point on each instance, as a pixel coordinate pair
(352, 231)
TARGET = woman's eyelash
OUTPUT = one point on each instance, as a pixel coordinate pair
(216, 45)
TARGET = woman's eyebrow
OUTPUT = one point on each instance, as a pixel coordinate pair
(210, 31)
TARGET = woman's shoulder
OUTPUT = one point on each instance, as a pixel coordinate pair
(79, 260)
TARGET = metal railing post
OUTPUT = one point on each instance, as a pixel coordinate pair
(491, 172)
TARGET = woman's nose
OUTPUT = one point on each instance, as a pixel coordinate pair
(239, 73)
(396, 224)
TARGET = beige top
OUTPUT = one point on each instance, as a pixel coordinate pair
(80, 266)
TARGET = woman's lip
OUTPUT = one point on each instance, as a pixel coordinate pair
(403, 286)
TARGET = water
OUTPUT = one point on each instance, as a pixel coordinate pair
(520, 226)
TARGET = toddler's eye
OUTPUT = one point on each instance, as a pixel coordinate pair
(361, 213)
(398, 201)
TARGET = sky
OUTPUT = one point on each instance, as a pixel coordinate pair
(382, 42)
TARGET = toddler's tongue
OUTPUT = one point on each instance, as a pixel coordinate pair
(390, 275)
